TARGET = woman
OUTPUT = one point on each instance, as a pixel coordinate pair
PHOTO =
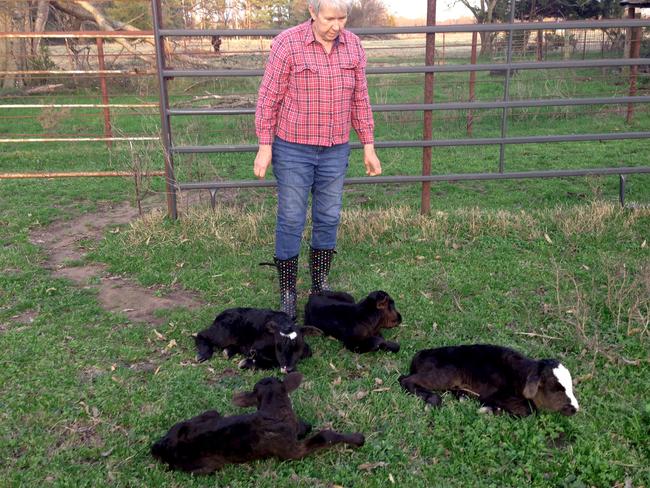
(314, 88)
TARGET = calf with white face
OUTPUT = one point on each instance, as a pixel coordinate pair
(501, 378)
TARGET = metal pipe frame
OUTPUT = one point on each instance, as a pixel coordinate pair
(518, 175)
(458, 68)
(416, 107)
(164, 74)
(576, 24)
(437, 142)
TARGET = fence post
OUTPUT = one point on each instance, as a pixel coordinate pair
(165, 126)
(635, 52)
(108, 131)
(427, 131)
(506, 89)
(472, 85)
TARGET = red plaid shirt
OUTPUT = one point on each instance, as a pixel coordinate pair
(310, 97)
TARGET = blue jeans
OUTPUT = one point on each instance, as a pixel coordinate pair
(301, 169)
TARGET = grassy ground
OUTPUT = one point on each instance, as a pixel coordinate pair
(554, 268)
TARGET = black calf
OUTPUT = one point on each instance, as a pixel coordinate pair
(357, 325)
(206, 443)
(266, 338)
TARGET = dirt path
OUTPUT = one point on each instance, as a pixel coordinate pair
(63, 244)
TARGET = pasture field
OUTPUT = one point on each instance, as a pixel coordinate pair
(554, 268)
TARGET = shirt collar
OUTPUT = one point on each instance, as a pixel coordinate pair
(309, 35)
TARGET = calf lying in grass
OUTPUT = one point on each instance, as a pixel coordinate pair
(357, 325)
(206, 443)
(266, 338)
(500, 377)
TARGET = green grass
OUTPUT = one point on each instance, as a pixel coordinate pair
(554, 268)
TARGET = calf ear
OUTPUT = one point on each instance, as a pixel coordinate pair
(245, 399)
(292, 381)
(532, 385)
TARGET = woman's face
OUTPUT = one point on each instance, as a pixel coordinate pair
(329, 22)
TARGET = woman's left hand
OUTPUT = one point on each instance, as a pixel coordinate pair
(370, 159)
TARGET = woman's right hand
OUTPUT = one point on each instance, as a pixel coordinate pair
(262, 160)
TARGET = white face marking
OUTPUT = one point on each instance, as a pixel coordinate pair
(291, 335)
(564, 377)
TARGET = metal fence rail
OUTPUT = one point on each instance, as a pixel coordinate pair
(166, 73)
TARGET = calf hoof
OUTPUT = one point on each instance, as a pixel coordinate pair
(357, 439)
(433, 400)
(203, 357)
(246, 363)
(392, 346)
(490, 410)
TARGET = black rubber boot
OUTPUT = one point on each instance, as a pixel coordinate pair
(320, 261)
(287, 274)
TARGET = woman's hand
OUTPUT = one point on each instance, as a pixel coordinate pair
(262, 160)
(370, 159)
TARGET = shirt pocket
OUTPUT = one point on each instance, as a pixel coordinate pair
(347, 70)
(306, 78)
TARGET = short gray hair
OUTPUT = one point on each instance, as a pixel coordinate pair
(337, 4)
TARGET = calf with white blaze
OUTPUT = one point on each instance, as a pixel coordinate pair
(501, 378)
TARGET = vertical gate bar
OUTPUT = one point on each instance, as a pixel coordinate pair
(506, 88)
(635, 52)
(427, 131)
(108, 130)
(621, 189)
(165, 126)
(472, 85)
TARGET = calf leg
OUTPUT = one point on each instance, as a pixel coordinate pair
(519, 407)
(325, 439)
(418, 385)
(371, 344)
(303, 429)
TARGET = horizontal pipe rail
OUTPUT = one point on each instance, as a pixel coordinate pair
(77, 174)
(597, 24)
(438, 143)
(78, 139)
(209, 185)
(411, 107)
(87, 72)
(76, 34)
(447, 68)
(80, 105)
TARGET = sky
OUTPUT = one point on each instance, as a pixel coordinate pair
(418, 9)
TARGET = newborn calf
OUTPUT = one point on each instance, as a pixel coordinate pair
(500, 377)
(266, 338)
(357, 325)
(206, 443)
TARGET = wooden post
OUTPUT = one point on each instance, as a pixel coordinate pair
(427, 132)
(108, 131)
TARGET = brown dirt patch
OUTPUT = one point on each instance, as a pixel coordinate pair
(63, 243)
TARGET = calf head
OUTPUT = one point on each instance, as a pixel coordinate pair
(550, 387)
(290, 345)
(268, 390)
(390, 317)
